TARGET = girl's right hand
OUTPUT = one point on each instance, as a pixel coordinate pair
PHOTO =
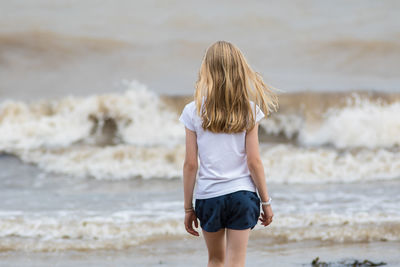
(266, 215)
(190, 219)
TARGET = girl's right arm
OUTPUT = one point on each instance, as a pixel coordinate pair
(190, 167)
(256, 169)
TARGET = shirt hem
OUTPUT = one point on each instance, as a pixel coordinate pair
(231, 190)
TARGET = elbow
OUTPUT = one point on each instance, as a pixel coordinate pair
(254, 164)
(190, 166)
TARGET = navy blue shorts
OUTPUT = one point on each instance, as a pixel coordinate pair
(238, 210)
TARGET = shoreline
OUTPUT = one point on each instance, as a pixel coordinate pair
(178, 252)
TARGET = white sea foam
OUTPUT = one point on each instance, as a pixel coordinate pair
(137, 116)
(71, 230)
(134, 134)
(287, 124)
(292, 164)
(111, 163)
(335, 227)
(361, 123)
(283, 163)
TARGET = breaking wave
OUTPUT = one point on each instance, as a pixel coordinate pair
(314, 138)
(70, 231)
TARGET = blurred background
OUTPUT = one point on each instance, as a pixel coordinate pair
(91, 149)
(72, 47)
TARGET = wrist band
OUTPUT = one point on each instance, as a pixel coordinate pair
(189, 210)
(267, 202)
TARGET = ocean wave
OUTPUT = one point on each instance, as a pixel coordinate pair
(137, 134)
(357, 55)
(141, 117)
(111, 162)
(334, 227)
(54, 46)
(120, 230)
(136, 117)
(339, 119)
(360, 122)
(292, 164)
(283, 163)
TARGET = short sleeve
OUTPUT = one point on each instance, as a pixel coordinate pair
(186, 118)
(259, 114)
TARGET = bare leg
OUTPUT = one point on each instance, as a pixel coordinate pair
(236, 247)
(216, 247)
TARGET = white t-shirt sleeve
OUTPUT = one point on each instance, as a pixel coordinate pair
(186, 118)
(259, 114)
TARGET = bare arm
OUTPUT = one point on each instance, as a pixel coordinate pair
(190, 167)
(255, 164)
(257, 173)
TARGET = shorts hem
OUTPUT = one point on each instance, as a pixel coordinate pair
(251, 227)
(212, 231)
(228, 227)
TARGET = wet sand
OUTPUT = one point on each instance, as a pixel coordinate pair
(181, 252)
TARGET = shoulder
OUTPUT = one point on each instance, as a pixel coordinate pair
(187, 116)
(190, 107)
(254, 106)
(257, 111)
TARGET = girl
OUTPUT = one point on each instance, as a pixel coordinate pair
(221, 126)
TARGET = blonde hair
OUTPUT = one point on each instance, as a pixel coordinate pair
(228, 84)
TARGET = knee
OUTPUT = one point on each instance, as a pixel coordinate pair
(216, 260)
(235, 263)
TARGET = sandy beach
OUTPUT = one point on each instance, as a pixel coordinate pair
(193, 251)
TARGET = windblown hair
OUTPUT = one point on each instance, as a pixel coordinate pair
(227, 84)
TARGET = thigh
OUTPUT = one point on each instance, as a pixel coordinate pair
(236, 245)
(215, 242)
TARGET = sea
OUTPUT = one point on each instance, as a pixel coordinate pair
(91, 149)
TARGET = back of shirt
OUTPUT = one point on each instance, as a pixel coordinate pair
(223, 161)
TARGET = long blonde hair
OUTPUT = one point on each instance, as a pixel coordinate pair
(227, 84)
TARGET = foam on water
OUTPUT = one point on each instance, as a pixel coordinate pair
(139, 116)
(292, 164)
(70, 230)
(137, 134)
(362, 122)
(283, 163)
(112, 162)
(135, 117)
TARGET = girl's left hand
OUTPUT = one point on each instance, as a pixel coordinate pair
(266, 215)
(190, 217)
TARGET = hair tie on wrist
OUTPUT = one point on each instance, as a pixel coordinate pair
(189, 210)
(267, 202)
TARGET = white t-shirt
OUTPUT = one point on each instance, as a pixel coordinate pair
(223, 160)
